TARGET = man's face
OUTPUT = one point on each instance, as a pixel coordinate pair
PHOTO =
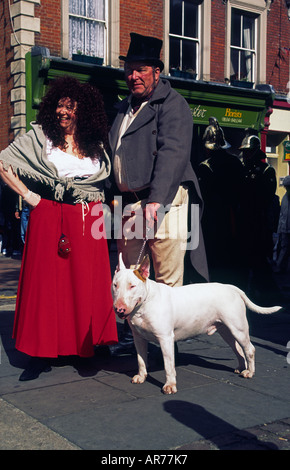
(141, 78)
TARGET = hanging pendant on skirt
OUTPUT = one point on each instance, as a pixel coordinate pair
(64, 247)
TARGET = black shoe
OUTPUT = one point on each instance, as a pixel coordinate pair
(122, 348)
(125, 344)
(35, 367)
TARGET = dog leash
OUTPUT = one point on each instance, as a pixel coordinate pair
(142, 247)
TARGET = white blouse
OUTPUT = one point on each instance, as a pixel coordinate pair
(69, 166)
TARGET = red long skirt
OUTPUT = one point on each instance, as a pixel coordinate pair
(64, 304)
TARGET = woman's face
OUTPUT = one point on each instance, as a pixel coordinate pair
(66, 115)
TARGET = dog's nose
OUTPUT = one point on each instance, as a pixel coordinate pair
(121, 312)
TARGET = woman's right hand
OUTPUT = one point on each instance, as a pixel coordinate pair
(13, 181)
(31, 198)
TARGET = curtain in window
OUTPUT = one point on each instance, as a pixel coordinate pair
(78, 7)
(248, 59)
(94, 39)
(86, 35)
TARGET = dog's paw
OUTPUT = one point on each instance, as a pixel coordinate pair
(246, 374)
(138, 379)
(169, 389)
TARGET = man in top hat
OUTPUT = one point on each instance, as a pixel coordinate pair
(151, 140)
(221, 179)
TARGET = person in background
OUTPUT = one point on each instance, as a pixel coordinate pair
(151, 140)
(22, 211)
(11, 241)
(256, 233)
(284, 230)
(221, 179)
(64, 304)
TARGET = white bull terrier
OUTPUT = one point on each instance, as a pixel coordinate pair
(163, 315)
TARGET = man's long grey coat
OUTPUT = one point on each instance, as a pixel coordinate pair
(157, 150)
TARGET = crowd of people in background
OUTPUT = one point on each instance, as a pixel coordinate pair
(241, 213)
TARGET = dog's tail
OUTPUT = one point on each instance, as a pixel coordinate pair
(256, 308)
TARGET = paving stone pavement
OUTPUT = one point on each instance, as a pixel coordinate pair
(91, 405)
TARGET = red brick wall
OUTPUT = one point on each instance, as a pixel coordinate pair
(218, 41)
(6, 80)
(278, 40)
(147, 18)
(144, 17)
(50, 25)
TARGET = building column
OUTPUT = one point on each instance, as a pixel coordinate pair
(24, 25)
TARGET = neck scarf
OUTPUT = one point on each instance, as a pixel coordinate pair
(136, 102)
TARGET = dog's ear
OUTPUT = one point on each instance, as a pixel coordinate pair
(121, 264)
(143, 271)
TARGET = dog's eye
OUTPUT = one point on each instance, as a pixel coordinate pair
(132, 287)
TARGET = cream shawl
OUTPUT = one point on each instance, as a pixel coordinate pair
(27, 158)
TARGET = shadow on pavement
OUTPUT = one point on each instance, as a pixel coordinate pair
(221, 434)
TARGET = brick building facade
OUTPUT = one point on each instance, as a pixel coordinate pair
(25, 24)
(278, 34)
(50, 35)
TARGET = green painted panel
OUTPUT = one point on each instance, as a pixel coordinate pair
(232, 107)
(227, 117)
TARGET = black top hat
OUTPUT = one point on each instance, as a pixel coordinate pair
(144, 49)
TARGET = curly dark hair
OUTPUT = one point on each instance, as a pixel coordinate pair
(91, 119)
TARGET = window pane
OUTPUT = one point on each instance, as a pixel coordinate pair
(190, 20)
(234, 73)
(189, 56)
(246, 65)
(236, 29)
(76, 35)
(243, 39)
(87, 36)
(183, 23)
(78, 7)
(174, 59)
(176, 17)
(248, 32)
(94, 39)
(96, 9)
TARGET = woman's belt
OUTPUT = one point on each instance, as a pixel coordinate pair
(67, 198)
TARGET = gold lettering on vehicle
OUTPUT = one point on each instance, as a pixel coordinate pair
(233, 113)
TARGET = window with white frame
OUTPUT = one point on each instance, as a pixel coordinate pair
(243, 45)
(87, 27)
(184, 36)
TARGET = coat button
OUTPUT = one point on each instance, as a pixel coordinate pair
(154, 132)
(155, 154)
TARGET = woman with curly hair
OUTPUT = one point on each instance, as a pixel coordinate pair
(59, 167)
